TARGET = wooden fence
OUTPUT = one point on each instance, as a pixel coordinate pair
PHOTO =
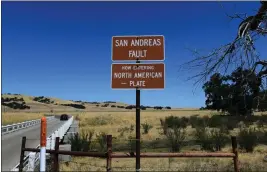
(109, 155)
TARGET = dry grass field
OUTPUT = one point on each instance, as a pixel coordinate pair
(16, 117)
(38, 109)
(113, 121)
(249, 163)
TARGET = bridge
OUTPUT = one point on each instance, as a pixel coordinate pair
(12, 137)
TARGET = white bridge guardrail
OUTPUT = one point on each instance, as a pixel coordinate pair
(18, 126)
(33, 157)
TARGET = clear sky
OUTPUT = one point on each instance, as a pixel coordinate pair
(63, 49)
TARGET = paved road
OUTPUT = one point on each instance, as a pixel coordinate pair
(11, 143)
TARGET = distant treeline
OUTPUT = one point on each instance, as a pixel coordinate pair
(43, 99)
(7, 99)
(78, 106)
(10, 94)
(79, 101)
(17, 105)
(133, 107)
(14, 103)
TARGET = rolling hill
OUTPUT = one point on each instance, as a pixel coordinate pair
(25, 103)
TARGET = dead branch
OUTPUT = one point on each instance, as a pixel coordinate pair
(240, 52)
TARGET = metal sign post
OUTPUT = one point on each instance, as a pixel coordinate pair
(137, 106)
(138, 76)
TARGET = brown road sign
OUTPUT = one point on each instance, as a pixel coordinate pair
(143, 48)
(143, 76)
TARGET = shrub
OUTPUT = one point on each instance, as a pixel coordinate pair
(241, 124)
(102, 141)
(131, 128)
(173, 121)
(122, 131)
(260, 123)
(263, 118)
(248, 121)
(82, 141)
(184, 122)
(203, 137)
(212, 139)
(247, 139)
(231, 124)
(262, 136)
(126, 129)
(164, 126)
(132, 144)
(224, 130)
(193, 120)
(196, 121)
(201, 122)
(216, 121)
(100, 120)
(218, 138)
(175, 138)
(154, 143)
(206, 120)
(146, 127)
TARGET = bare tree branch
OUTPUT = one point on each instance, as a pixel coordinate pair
(240, 52)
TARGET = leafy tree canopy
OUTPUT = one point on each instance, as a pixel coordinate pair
(235, 94)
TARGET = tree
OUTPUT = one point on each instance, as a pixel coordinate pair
(235, 94)
(261, 103)
(240, 52)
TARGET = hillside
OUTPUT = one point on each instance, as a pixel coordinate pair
(18, 102)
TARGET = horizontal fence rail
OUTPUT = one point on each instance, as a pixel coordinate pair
(50, 145)
(109, 154)
(172, 155)
(18, 126)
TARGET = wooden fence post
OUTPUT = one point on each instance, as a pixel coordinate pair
(109, 152)
(56, 163)
(234, 146)
(23, 144)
